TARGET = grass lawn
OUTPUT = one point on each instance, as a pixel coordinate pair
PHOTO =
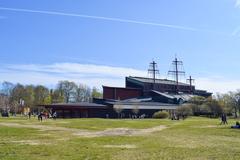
(193, 138)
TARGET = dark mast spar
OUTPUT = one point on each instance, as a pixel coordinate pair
(153, 71)
(176, 72)
(191, 81)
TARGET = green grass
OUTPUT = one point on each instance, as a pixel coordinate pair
(193, 138)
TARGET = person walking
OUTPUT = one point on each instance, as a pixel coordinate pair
(40, 116)
(224, 119)
(29, 115)
(55, 115)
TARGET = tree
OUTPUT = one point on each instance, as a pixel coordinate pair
(56, 96)
(41, 94)
(215, 107)
(238, 100)
(118, 109)
(83, 93)
(4, 102)
(230, 102)
(68, 90)
(197, 100)
(14, 107)
(96, 93)
(6, 91)
(161, 115)
(29, 96)
(21, 96)
(17, 94)
(184, 111)
(196, 109)
(235, 102)
(205, 109)
(135, 110)
(195, 104)
(7, 88)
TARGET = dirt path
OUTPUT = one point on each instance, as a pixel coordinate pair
(121, 132)
(40, 127)
(89, 134)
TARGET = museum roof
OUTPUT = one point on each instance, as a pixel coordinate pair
(160, 81)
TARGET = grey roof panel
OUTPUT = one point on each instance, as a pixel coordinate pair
(161, 81)
(80, 104)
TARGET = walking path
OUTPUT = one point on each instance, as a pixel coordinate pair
(88, 133)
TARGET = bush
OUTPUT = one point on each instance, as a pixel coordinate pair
(184, 111)
(161, 115)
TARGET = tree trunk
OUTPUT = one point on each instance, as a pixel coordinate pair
(235, 110)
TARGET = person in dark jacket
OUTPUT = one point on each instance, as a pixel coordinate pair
(224, 119)
(29, 115)
(40, 116)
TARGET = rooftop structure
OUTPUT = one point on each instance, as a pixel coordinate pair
(140, 96)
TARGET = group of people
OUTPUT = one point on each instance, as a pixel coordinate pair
(224, 121)
(44, 115)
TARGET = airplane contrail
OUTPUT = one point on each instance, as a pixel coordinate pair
(100, 18)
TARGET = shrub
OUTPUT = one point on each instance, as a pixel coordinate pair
(184, 111)
(161, 115)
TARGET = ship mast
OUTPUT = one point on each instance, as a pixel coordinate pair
(190, 82)
(176, 72)
(153, 71)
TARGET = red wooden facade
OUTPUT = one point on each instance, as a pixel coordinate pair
(118, 93)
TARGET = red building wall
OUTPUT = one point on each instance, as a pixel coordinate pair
(120, 93)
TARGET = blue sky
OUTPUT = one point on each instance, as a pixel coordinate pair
(99, 42)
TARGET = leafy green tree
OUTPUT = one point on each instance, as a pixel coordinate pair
(215, 107)
(205, 109)
(197, 100)
(56, 96)
(41, 93)
(48, 99)
(96, 93)
(184, 111)
(17, 93)
(29, 96)
(195, 104)
(161, 115)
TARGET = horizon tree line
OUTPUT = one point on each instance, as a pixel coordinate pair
(15, 96)
(215, 106)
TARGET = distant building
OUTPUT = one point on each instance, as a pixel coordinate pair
(140, 97)
(144, 87)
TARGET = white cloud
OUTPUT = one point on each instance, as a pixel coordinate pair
(217, 84)
(79, 69)
(95, 75)
(92, 75)
(237, 3)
